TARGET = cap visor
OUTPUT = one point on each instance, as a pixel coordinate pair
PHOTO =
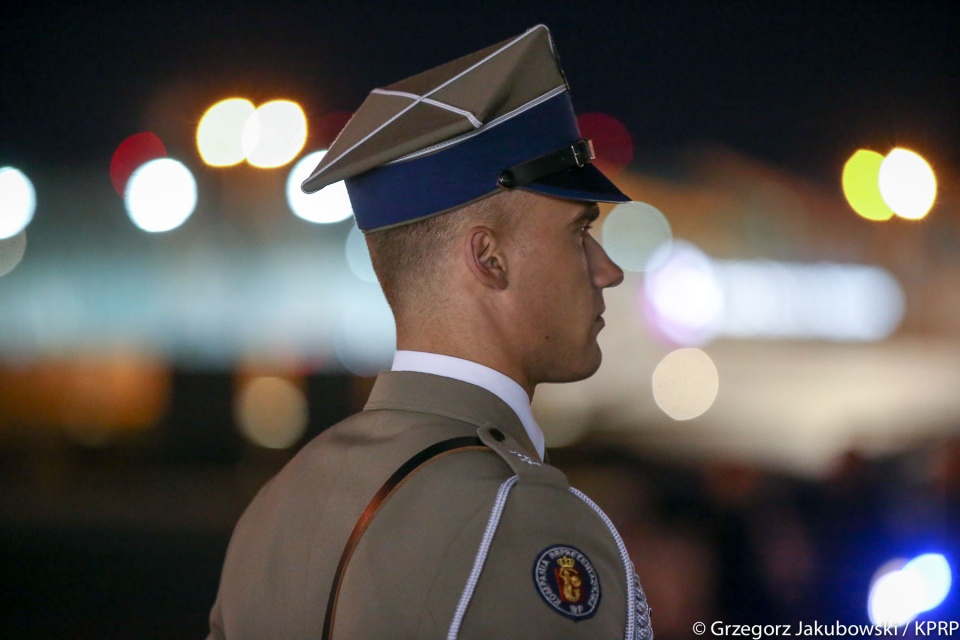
(585, 183)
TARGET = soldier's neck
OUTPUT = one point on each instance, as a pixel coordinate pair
(468, 346)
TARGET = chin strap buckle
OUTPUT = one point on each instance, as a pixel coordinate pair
(578, 154)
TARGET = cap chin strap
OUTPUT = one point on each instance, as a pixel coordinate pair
(578, 154)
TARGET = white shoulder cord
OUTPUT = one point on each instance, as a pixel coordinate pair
(481, 558)
(630, 632)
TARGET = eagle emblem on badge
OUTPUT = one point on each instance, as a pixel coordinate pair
(567, 581)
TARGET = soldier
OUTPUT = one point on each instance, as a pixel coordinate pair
(432, 513)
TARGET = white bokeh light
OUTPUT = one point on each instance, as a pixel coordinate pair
(18, 201)
(219, 134)
(682, 294)
(160, 195)
(773, 300)
(899, 595)
(365, 336)
(358, 256)
(11, 252)
(691, 299)
(893, 599)
(274, 134)
(933, 572)
(633, 233)
(685, 384)
(330, 204)
(907, 184)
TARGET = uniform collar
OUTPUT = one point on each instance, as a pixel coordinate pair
(445, 396)
(492, 380)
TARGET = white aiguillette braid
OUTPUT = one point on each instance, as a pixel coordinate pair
(633, 631)
(492, 523)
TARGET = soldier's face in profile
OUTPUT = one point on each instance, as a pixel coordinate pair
(560, 272)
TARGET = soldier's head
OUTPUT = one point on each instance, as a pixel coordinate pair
(476, 192)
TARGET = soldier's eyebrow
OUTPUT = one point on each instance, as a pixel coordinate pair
(587, 216)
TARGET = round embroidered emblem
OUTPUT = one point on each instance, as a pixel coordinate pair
(567, 581)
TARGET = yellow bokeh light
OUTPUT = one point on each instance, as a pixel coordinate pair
(271, 412)
(274, 134)
(861, 185)
(94, 396)
(907, 183)
(685, 383)
(220, 132)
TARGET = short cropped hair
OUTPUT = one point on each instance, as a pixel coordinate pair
(411, 260)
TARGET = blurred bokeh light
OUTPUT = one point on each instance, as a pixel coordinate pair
(901, 183)
(271, 412)
(330, 204)
(132, 153)
(11, 252)
(861, 185)
(685, 383)
(691, 299)
(94, 397)
(892, 599)
(779, 300)
(683, 297)
(358, 256)
(220, 132)
(365, 337)
(161, 195)
(274, 134)
(633, 232)
(898, 596)
(907, 183)
(18, 201)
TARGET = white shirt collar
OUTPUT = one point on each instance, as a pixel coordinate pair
(477, 374)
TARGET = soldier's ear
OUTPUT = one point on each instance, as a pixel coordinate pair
(484, 254)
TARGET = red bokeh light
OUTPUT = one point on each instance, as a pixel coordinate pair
(130, 154)
(611, 141)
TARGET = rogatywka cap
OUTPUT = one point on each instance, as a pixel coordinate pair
(500, 118)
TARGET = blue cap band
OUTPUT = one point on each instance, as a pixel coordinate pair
(407, 190)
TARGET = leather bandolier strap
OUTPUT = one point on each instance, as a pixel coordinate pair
(452, 445)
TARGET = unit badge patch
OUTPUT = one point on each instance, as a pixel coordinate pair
(567, 581)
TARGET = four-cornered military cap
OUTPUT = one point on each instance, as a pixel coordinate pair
(497, 119)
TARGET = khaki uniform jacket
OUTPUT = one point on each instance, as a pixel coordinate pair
(482, 543)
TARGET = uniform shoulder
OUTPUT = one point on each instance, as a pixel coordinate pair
(528, 468)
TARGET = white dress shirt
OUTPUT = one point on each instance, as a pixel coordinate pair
(493, 381)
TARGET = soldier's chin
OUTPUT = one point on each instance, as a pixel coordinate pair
(584, 369)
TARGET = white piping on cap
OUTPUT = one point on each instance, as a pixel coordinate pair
(498, 120)
(443, 105)
(434, 90)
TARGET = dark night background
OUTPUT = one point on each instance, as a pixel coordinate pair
(793, 83)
